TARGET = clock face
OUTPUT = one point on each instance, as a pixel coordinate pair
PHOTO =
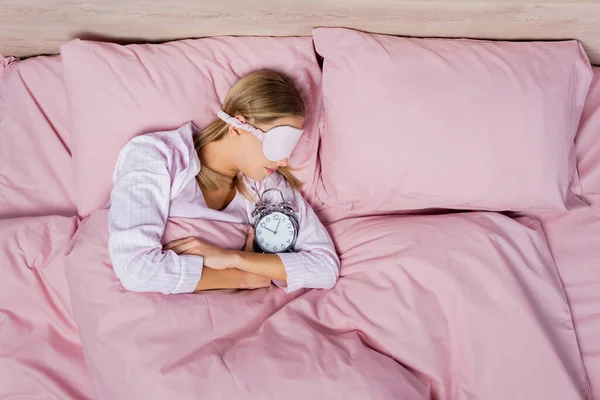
(275, 232)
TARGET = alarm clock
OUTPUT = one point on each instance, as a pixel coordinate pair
(276, 227)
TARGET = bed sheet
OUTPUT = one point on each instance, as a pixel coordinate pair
(478, 308)
(40, 350)
(575, 242)
(45, 356)
(574, 239)
(469, 306)
(36, 174)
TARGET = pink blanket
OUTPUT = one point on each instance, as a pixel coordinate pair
(469, 306)
(5, 62)
(465, 306)
(574, 240)
(216, 345)
(36, 172)
(40, 350)
(472, 302)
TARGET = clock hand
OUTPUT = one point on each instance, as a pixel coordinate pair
(264, 226)
(277, 227)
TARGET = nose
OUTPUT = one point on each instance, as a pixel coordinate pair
(283, 163)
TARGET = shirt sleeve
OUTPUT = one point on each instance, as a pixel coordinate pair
(314, 264)
(137, 217)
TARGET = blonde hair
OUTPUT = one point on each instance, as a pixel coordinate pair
(260, 97)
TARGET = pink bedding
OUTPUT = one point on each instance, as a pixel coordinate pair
(456, 124)
(117, 92)
(36, 173)
(5, 62)
(463, 306)
(574, 240)
(217, 345)
(40, 349)
(575, 237)
(470, 304)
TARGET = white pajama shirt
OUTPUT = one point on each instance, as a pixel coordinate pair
(154, 179)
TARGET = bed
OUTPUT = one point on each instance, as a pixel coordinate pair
(430, 304)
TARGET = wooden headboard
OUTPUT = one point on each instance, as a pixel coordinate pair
(31, 27)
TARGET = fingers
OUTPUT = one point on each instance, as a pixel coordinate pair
(253, 281)
(249, 245)
(184, 247)
(177, 242)
(266, 282)
(263, 282)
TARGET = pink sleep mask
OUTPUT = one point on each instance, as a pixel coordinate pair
(278, 142)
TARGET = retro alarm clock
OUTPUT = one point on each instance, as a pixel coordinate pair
(276, 227)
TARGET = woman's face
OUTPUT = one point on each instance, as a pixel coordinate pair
(253, 162)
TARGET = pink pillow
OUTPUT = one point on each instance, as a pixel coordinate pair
(36, 170)
(435, 123)
(5, 62)
(117, 92)
(588, 140)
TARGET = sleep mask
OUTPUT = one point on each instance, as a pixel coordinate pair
(277, 143)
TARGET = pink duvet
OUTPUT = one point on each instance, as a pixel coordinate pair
(40, 349)
(464, 306)
(217, 345)
(469, 306)
(574, 239)
(471, 302)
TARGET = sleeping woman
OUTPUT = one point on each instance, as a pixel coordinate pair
(219, 174)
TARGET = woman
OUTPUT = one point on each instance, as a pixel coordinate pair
(217, 175)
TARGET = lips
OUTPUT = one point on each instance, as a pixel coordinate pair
(270, 171)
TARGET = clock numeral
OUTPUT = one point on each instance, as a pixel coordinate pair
(289, 225)
(268, 219)
(259, 232)
(263, 225)
(274, 248)
(282, 246)
(292, 233)
(275, 217)
(289, 240)
(262, 240)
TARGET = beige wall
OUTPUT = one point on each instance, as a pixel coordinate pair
(29, 27)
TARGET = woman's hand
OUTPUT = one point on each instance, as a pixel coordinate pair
(214, 257)
(253, 281)
(249, 245)
(249, 280)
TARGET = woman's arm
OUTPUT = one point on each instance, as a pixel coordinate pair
(269, 265)
(230, 279)
(266, 265)
(137, 217)
(317, 267)
(315, 263)
(233, 278)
